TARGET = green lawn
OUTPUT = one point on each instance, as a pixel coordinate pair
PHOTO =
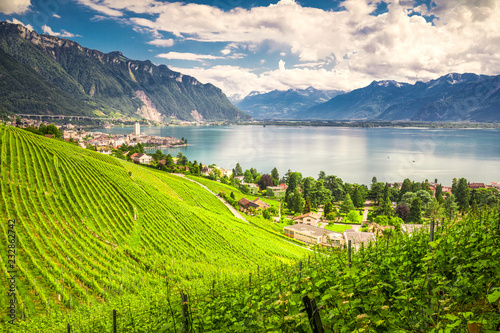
(338, 227)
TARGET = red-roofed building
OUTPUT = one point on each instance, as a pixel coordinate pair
(310, 218)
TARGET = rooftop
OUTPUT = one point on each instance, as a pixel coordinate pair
(313, 231)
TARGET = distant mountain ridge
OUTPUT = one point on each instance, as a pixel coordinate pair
(453, 97)
(79, 81)
(283, 104)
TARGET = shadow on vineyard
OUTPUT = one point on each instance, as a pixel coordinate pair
(96, 235)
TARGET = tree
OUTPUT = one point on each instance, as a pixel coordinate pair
(238, 171)
(307, 186)
(266, 214)
(307, 206)
(416, 211)
(328, 208)
(347, 205)
(319, 194)
(275, 176)
(357, 198)
(254, 173)
(352, 217)
(434, 209)
(158, 155)
(233, 196)
(439, 194)
(52, 129)
(169, 160)
(406, 187)
(403, 211)
(297, 201)
(321, 175)
(450, 206)
(247, 177)
(90, 147)
(293, 182)
(462, 194)
(265, 181)
(336, 187)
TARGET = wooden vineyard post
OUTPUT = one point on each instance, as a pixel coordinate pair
(68, 328)
(313, 314)
(114, 321)
(387, 243)
(300, 269)
(349, 253)
(249, 280)
(185, 324)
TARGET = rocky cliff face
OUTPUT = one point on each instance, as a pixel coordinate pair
(108, 82)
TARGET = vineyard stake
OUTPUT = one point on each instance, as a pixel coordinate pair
(249, 280)
(185, 324)
(300, 269)
(313, 314)
(114, 321)
(349, 253)
(68, 327)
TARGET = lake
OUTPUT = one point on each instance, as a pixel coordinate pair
(353, 154)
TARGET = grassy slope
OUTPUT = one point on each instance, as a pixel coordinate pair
(86, 228)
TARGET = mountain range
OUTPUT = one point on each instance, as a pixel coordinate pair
(453, 97)
(283, 104)
(41, 74)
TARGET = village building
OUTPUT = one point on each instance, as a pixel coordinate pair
(314, 235)
(249, 188)
(475, 186)
(257, 204)
(142, 158)
(205, 171)
(239, 178)
(275, 192)
(308, 218)
(357, 238)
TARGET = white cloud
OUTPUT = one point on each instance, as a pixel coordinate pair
(162, 42)
(14, 6)
(464, 37)
(187, 56)
(16, 21)
(239, 81)
(101, 7)
(281, 65)
(56, 16)
(65, 34)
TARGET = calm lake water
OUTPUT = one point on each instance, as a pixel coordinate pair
(354, 154)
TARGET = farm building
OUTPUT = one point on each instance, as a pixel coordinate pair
(313, 235)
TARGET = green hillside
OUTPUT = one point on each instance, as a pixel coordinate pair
(89, 226)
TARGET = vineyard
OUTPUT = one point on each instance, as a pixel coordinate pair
(90, 227)
(95, 234)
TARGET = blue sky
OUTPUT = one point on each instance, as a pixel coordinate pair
(243, 46)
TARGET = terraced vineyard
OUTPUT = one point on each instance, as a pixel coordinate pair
(90, 227)
(95, 234)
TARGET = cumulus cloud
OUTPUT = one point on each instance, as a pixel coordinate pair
(16, 21)
(162, 42)
(239, 81)
(399, 44)
(14, 6)
(187, 56)
(101, 7)
(56, 16)
(65, 34)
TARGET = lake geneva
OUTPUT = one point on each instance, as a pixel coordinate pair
(353, 154)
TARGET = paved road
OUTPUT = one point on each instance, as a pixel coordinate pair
(231, 208)
(365, 213)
